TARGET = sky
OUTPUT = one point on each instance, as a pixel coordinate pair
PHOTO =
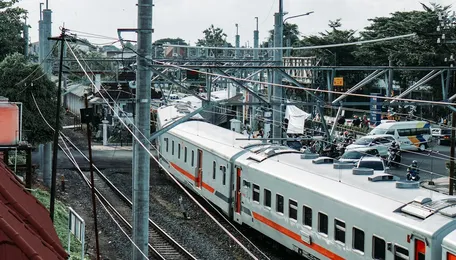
(187, 19)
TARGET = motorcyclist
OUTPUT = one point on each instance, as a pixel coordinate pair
(393, 156)
(394, 147)
(413, 171)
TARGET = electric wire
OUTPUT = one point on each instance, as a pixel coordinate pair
(73, 160)
(158, 162)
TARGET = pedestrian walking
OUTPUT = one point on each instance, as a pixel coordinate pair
(182, 208)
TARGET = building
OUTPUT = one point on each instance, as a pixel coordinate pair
(26, 230)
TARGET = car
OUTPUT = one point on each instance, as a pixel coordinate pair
(375, 163)
(445, 137)
(380, 142)
(353, 156)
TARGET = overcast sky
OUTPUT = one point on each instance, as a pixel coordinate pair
(188, 18)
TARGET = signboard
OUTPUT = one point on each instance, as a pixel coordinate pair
(10, 122)
(76, 226)
(376, 109)
(338, 82)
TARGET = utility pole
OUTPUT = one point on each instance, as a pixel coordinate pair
(277, 98)
(256, 37)
(452, 152)
(57, 124)
(88, 115)
(141, 162)
(26, 38)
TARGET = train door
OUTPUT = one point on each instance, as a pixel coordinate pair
(420, 250)
(238, 196)
(199, 165)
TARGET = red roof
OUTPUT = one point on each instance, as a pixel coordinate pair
(26, 230)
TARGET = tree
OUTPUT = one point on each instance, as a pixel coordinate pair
(290, 33)
(213, 37)
(172, 41)
(11, 26)
(14, 69)
(420, 50)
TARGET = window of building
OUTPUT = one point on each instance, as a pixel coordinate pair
(214, 169)
(267, 198)
(193, 158)
(178, 151)
(185, 154)
(172, 148)
(339, 230)
(322, 223)
(293, 209)
(307, 216)
(378, 248)
(166, 144)
(279, 203)
(358, 239)
(400, 253)
(256, 193)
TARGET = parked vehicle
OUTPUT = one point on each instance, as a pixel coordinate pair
(381, 142)
(412, 135)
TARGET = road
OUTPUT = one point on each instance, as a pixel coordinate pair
(432, 161)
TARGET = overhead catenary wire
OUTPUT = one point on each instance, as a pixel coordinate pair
(167, 172)
(74, 162)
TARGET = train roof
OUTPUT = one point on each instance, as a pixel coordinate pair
(450, 240)
(405, 206)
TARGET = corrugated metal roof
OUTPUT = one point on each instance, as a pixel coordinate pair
(25, 223)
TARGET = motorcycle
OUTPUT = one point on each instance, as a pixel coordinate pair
(394, 158)
(413, 175)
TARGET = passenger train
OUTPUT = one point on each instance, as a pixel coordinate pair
(315, 207)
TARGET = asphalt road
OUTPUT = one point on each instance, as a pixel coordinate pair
(432, 160)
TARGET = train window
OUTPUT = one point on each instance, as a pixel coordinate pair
(378, 248)
(256, 193)
(267, 198)
(322, 223)
(185, 154)
(166, 144)
(178, 151)
(400, 253)
(193, 158)
(450, 256)
(172, 148)
(307, 212)
(214, 169)
(279, 203)
(293, 209)
(339, 228)
(224, 175)
(358, 239)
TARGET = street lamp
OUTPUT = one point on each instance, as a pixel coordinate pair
(299, 15)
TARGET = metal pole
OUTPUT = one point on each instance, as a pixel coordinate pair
(256, 37)
(141, 163)
(94, 205)
(277, 91)
(452, 152)
(389, 89)
(26, 38)
(57, 127)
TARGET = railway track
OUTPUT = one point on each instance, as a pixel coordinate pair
(161, 244)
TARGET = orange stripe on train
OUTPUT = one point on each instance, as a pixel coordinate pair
(296, 237)
(191, 177)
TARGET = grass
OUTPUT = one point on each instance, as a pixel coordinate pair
(60, 223)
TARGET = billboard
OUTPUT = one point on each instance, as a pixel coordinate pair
(10, 132)
(375, 109)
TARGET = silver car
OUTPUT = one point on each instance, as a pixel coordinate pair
(353, 156)
(380, 142)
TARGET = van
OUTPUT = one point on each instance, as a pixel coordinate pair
(412, 135)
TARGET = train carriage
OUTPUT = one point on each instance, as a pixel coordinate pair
(321, 211)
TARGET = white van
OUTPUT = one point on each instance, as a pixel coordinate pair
(412, 135)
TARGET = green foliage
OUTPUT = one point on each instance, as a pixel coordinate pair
(213, 37)
(14, 69)
(172, 41)
(60, 223)
(11, 26)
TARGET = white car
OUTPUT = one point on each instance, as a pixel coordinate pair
(354, 155)
(375, 163)
(381, 142)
